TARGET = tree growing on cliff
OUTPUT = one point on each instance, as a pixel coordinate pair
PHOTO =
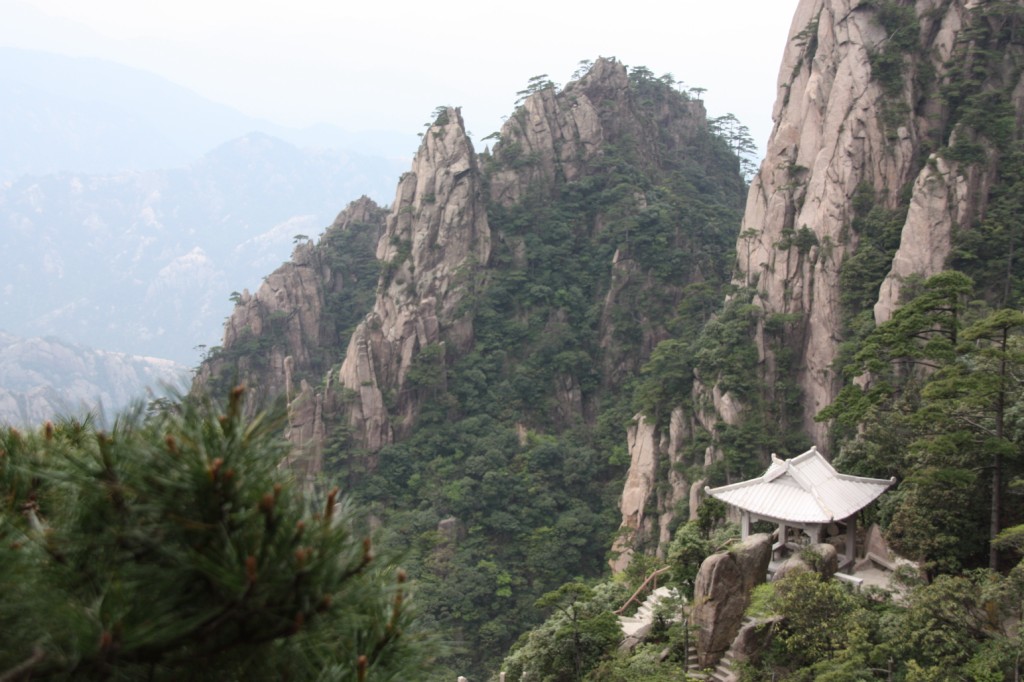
(173, 547)
(938, 414)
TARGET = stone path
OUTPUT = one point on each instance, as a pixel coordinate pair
(644, 616)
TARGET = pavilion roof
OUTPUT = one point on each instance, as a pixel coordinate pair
(803, 489)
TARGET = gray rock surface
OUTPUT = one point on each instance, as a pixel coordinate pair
(826, 562)
(722, 593)
(831, 139)
(435, 237)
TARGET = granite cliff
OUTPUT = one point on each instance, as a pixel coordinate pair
(891, 144)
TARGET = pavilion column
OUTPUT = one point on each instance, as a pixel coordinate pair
(744, 524)
(851, 540)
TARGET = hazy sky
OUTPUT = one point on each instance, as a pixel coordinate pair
(387, 65)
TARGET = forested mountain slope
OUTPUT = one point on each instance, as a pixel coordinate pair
(472, 381)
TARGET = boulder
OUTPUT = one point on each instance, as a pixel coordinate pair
(722, 593)
(874, 543)
(754, 637)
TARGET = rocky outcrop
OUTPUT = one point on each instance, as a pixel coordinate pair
(562, 132)
(434, 243)
(278, 342)
(649, 511)
(820, 558)
(754, 638)
(275, 338)
(722, 593)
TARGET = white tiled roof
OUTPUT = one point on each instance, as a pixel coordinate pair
(804, 489)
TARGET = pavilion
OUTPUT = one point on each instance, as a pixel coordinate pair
(804, 493)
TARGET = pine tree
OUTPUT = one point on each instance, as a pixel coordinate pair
(175, 547)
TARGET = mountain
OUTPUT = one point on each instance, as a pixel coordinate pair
(471, 352)
(43, 378)
(546, 351)
(92, 116)
(144, 262)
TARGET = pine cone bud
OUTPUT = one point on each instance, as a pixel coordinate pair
(332, 498)
(214, 469)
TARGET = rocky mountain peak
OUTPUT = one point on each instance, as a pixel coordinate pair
(435, 238)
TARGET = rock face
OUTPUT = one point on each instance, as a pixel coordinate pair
(282, 340)
(843, 127)
(722, 593)
(274, 340)
(648, 451)
(824, 560)
(875, 173)
(435, 240)
(437, 253)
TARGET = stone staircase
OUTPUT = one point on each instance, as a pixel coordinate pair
(725, 671)
(644, 616)
(633, 626)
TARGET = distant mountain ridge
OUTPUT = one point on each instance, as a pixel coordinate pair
(89, 115)
(42, 378)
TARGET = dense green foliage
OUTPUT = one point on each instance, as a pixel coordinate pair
(955, 628)
(173, 547)
(939, 413)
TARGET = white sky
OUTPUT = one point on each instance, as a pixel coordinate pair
(386, 65)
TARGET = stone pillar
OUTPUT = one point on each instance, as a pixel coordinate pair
(851, 542)
(744, 524)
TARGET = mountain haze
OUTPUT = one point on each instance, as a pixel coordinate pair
(93, 116)
(171, 244)
(44, 378)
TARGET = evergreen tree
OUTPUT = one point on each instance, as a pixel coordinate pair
(174, 547)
